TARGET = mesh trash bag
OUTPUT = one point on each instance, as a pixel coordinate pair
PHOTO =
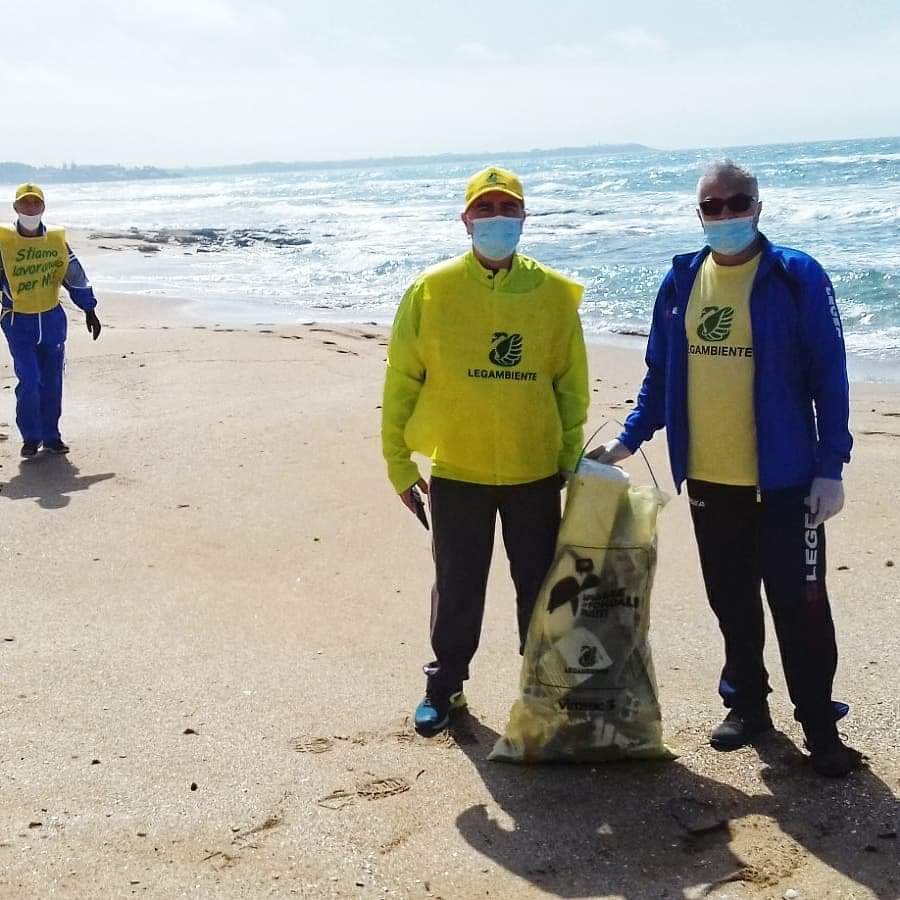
(588, 688)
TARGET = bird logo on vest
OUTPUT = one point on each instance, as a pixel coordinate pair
(715, 323)
(506, 349)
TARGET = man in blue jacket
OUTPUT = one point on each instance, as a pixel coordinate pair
(746, 370)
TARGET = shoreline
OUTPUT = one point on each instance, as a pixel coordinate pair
(862, 367)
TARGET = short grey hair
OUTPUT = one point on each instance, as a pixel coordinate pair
(729, 173)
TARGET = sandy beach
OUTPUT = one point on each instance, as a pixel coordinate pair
(214, 620)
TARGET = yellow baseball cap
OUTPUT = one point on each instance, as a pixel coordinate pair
(493, 178)
(29, 190)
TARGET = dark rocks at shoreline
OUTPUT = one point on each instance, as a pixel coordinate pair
(205, 240)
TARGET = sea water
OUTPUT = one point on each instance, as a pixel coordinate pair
(611, 221)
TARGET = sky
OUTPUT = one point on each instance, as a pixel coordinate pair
(209, 82)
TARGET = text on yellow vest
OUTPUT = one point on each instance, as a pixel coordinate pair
(35, 268)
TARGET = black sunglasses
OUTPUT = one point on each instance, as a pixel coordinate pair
(713, 206)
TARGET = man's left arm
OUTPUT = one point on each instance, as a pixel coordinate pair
(572, 399)
(828, 383)
(830, 390)
(82, 294)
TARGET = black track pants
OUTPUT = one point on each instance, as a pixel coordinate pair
(746, 542)
(463, 517)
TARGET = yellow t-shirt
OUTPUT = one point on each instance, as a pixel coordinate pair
(721, 417)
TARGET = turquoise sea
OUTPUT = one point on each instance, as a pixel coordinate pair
(612, 221)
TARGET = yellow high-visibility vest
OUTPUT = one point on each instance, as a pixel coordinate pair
(35, 268)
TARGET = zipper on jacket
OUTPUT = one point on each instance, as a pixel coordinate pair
(40, 328)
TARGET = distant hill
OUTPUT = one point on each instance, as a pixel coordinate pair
(18, 173)
(592, 150)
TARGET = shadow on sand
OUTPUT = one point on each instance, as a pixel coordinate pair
(659, 830)
(49, 481)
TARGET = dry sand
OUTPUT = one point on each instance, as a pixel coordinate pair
(214, 616)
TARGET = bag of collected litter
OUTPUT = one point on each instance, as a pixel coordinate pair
(588, 688)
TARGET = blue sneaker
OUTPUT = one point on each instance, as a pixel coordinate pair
(433, 713)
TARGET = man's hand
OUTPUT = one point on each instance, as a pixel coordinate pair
(407, 495)
(93, 323)
(610, 453)
(826, 499)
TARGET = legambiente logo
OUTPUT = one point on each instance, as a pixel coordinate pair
(506, 349)
(715, 323)
(713, 328)
(506, 352)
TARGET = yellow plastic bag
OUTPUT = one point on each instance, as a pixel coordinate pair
(588, 688)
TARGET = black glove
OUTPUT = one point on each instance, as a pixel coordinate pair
(93, 323)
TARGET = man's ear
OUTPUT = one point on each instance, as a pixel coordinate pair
(758, 211)
(465, 220)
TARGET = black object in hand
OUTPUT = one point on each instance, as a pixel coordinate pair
(419, 506)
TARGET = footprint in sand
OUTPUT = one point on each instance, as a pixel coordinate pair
(309, 744)
(376, 789)
(380, 788)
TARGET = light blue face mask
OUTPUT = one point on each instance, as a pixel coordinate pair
(496, 238)
(730, 236)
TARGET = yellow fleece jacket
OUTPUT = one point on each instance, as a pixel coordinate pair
(486, 374)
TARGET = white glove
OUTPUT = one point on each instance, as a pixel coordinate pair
(610, 453)
(826, 499)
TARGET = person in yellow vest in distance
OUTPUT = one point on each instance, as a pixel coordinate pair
(487, 376)
(35, 261)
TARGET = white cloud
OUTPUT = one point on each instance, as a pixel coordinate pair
(637, 39)
(379, 44)
(473, 52)
(570, 52)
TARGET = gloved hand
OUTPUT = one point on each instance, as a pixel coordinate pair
(826, 499)
(93, 323)
(610, 453)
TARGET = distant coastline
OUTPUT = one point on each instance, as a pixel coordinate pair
(17, 172)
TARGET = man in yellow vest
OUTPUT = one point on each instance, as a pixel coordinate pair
(487, 376)
(35, 261)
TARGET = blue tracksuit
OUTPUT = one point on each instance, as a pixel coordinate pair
(37, 344)
(801, 394)
(745, 538)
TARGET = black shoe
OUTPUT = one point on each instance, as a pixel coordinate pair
(739, 730)
(833, 758)
(57, 447)
(29, 449)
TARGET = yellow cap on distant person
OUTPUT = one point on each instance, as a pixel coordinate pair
(493, 178)
(29, 190)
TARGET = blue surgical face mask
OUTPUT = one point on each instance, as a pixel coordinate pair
(496, 238)
(730, 236)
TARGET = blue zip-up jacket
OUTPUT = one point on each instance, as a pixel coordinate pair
(801, 394)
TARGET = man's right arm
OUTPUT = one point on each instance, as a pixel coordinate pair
(649, 413)
(403, 381)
